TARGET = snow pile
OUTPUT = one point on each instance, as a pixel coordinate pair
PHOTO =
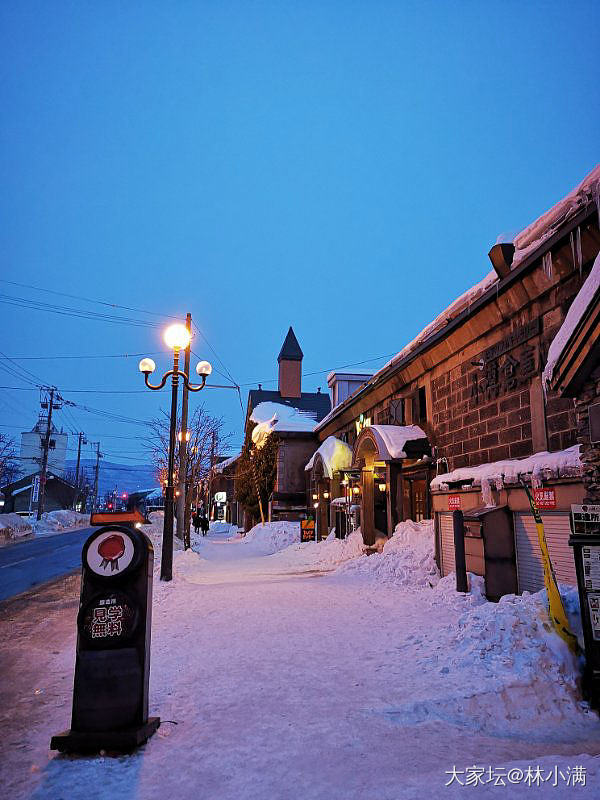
(12, 526)
(516, 666)
(578, 307)
(407, 558)
(334, 454)
(323, 555)
(54, 521)
(219, 526)
(276, 417)
(541, 466)
(154, 531)
(272, 536)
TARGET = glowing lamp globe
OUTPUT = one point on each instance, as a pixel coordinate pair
(177, 337)
(147, 366)
(203, 369)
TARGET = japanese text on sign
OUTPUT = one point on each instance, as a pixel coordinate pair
(544, 498)
(107, 621)
(586, 519)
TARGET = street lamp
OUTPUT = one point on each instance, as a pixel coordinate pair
(177, 337)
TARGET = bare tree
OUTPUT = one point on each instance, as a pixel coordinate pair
(203, 429)
(9, 463)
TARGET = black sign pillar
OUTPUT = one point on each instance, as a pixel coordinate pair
(585, 541)
(112, 666)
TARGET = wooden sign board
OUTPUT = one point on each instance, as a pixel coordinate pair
(307, 530)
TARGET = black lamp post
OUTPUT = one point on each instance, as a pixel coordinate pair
(178, 337)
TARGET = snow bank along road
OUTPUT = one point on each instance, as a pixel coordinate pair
(26, 564)
(286, 682)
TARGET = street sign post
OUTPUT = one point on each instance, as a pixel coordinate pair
(585, 541)
(112, 665)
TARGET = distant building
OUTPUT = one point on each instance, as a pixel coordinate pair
(31, 448)
(59, 494)
(344, 384)
(294, 427)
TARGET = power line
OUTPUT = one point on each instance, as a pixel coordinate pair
(67, 311)
(86, 357)
(88, 299)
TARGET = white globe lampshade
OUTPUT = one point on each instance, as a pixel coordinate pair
(203, 369)
(147, 366)
(177, 336)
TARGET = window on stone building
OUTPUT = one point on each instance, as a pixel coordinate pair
(422, 404)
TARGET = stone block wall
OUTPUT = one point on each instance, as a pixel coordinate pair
(590, 453)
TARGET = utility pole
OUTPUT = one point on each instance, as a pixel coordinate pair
(84, 440)
(45, 448)
(96, 478)
(213, 448)
(181, 504)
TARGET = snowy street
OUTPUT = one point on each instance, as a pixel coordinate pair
(288, 680)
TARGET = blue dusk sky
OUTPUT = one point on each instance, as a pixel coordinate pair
(342, 167)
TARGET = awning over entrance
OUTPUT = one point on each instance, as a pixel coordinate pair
(390, 443)
(332, 456)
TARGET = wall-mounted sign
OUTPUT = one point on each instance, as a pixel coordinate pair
(307, 530)
(594, 609)
(453, 502)
(585, 519)
(544, 498)
(362, 422)
(591, 567)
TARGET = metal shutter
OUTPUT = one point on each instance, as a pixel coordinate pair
(529, 558)
(447, 543)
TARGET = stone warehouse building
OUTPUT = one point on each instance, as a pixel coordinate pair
(448, 421)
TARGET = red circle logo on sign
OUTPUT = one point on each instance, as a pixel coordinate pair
(111, 550)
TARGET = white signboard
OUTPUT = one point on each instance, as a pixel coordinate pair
(35, 491)
(591, 567)
(594, 607)
(586, 519)
(110, 553)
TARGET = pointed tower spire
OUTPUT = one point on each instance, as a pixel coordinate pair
(290, 366)
(290, 349)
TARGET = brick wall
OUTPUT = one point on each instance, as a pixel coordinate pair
(484, 415)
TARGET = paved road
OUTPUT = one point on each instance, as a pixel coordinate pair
(29, 563)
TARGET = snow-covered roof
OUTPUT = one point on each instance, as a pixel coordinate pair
(526, 242)
(534, 235)
(222, 465)
(391, 439)
(335, 455)
(271, 417)
(541, 466)
(579, 306)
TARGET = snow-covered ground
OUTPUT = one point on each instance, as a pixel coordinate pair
(313, 671)
(14, 527)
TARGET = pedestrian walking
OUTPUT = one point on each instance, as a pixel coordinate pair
(196, 521)
(205, 524)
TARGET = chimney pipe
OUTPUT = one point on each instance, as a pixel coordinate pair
(501, 256)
